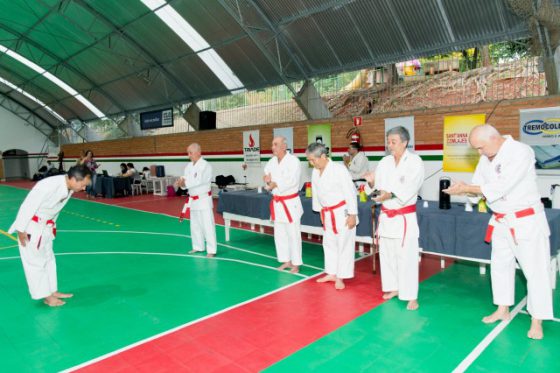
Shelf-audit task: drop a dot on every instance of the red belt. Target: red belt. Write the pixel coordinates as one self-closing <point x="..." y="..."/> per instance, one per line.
<point x="331" y="210"/>
<point x="281" y="199"/>
<point x="391" y="213"/>
<point x="499" y="216"/>
<point x="50" y="222"/>
<point x="186" y="208"/>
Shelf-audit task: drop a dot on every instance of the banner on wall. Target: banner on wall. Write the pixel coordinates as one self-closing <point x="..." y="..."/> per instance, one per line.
<point x="458" y="156"/>
<point x="320" y="133"/>
<point x="251" y="148"/>
<point x="288" y="133"/>
<point x="540" y="128"/>
<point x="406" y="122"/>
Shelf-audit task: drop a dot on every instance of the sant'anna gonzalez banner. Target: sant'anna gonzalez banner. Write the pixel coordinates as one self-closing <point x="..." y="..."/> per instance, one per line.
<point x="458" y="156"/>
<point x="540" y="128"/>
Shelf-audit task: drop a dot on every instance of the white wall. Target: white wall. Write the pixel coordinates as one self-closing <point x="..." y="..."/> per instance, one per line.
<point x="15" y="133"/>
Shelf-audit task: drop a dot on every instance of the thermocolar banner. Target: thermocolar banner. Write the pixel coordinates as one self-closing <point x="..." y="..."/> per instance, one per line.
<point x="540" y="128"/>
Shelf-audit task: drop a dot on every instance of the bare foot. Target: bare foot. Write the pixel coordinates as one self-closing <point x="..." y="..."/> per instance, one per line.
<point x="284" y="266"/>
<point x="210" y="255"/>
<point x="412" y="305"/>
<point x="295" y="269"/>
<point x="502" y="313"/>
<point x="390" y="294"/>
<point x="193" y="251"/>
<point x="62" y="295"/>
<point x="53" y="301"/>
<point x="536" y="331"/>
<point x="339" y="284"/>
<point x="327" y="278"/>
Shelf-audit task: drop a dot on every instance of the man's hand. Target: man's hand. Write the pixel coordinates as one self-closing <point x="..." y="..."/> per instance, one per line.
<point x="271" y="185"/>
<point x="346" y="158"/>
<point x="456" y="188"/>
<point x="383" y="196"/>
<point x="351" y="221"/>
<point x="370" y="178"/>
<point x="22" y="238"/>
<point x="267" y="178"/>
<point x="180" y="183"/>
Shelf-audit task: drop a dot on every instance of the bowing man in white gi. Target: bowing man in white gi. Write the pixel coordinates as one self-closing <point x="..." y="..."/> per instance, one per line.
<point x="398" y="179"/>
<point x="197" y="179"/>
<point x="356" y="161"/>
<point x="335" y="197"/>
<point x="505" y="176"/>
<point x="282" y="178"/>
<point x="35" y="225"/>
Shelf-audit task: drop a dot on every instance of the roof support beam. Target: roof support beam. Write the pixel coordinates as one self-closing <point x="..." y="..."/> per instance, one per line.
<point x="315" y="10"/>
<point x="443" y="14"/>
<point x="275" y="61"/>
<point x="398" y="22"/>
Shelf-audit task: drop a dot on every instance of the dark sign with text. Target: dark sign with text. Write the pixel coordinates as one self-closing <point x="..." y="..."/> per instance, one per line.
<point x="156" y="119"/>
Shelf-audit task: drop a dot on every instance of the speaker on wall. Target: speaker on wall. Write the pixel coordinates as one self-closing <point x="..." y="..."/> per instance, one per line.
<point x="207" y="120"/>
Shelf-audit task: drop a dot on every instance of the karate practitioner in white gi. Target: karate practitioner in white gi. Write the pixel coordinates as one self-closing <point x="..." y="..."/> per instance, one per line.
<point x="282" y="178"/>
<point x="335" y="197"/>
<point x="356" y="161"/>
<point x="398" y="179"/>
<point x="505" y="176"/>
<point x="35" y="225"/>
<point x="198" y="179"/>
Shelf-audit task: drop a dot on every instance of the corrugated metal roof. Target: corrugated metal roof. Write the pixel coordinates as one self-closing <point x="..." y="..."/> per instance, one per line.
<point x="121" y="56"/>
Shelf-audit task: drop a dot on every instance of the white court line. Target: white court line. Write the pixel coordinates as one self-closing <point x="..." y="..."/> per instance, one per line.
<point x="177" y="235"/>
<point x="182" y="256"/>
<point x="479" y="349"/>
<point x="527" y="313"/>
<point x="162" y="334"/>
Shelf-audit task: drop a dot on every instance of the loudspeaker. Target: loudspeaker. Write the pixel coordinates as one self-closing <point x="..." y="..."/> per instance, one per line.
<point x="207" y="120"/>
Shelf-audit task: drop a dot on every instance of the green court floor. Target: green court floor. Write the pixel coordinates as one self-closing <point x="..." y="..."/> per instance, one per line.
<point x="132" y="279"/>
<point x="436" y="338"/>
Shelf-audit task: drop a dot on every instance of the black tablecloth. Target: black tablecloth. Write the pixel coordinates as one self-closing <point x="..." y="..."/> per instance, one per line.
<point x="109" y="186"/>
<point x="256" y="205"/>
<point x="452" y="232"/>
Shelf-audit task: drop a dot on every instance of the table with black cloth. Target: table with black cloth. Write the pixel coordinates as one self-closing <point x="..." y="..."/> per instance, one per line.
<point x="251" y="207"/>
<point x="451" y="233"/>
<point x="109" y="186"/>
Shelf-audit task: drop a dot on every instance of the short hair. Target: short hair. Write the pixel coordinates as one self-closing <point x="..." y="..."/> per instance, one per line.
<point x="195" y="147"/>
<point x="317" y="149"/>
<point x="484" y="132"/>
<point x="355" y="145"/>
<point x="88" y="151"/>
<point x="130" y="165"/>
<point x="401" y="131"/>
<point x="79" y="172"/>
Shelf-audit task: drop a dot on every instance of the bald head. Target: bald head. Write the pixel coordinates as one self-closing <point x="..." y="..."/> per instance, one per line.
<point x="486" y="140"/>
<point x="279" y="146"/>
<point x="194" y="151"/>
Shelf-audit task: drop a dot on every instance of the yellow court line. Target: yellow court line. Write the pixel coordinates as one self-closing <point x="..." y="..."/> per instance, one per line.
<point x="8" y="235"/>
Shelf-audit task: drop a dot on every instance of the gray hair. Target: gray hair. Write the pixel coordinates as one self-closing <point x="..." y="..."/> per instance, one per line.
<point x="317" y="149"/>
<point x="401" y="131"/>
<point x="484" y="132"/>
<point x="195" y="147"/>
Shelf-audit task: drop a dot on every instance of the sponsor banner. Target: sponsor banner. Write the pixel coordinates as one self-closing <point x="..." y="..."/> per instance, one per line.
<point x="156" y="119"/>
<point x="251" y="148"/>
<point x="458" y="156"/>
<point x="406" y="122"/>
<point x="540" y="128"/>
<point x="320" y="133"/>
<point x="288" y="133"/>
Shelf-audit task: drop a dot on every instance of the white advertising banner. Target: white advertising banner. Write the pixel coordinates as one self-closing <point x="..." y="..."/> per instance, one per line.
<point x="251" y="148"/>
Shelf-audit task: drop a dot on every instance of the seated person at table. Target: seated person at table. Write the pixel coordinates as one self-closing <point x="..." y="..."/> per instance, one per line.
<point x="124" y="169"/>
<point x="131" y="171"/>
<point x="145" y="173"/>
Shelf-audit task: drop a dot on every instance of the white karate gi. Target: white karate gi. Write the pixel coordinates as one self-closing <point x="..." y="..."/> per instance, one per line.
<point x="358" y="166"/>
<point x="198" y="180"/>
<point x="398" y="252"/>
<point x="44" y="202"/>
<point x="329" y="189"/>
<point x="287" y="236"/>
<point x="509" y="184"/>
